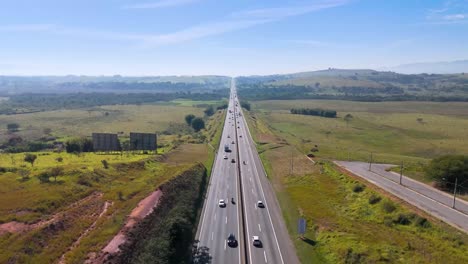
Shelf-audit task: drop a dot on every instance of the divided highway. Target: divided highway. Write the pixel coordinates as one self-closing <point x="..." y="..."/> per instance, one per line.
<point x="244" y="180"/>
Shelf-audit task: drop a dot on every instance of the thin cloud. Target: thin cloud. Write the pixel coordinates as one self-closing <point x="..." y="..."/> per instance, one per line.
<point x="455" y="17"/>
<point x="159" y="4"/>
<point x="283" y="12"/>
<point x="234" y="22"/>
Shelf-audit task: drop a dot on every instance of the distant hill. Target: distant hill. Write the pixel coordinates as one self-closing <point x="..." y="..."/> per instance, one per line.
<point x="359" y="84"/>
<point x="431" y="67"/>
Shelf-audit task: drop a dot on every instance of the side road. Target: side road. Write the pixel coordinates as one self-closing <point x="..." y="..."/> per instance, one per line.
<point x="424" y="197"/>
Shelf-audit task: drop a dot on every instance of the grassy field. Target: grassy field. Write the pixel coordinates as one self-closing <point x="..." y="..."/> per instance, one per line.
<point x="84" y="185"/>
<point x="112" y="119"/>
<point x="412" y="132"/>
<point x="345" y="226"/>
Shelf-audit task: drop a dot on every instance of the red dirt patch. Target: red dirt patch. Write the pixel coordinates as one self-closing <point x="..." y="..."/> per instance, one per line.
<point x="144" y="208"/>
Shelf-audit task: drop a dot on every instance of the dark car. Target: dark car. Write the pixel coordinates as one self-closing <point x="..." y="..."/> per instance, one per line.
<point x="231" y="240"/>
<point x="256" y="241"/>
<point x="233" y="161"/>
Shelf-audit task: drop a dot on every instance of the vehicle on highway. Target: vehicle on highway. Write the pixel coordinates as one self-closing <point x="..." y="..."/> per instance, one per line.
<point x="238" y="127"/>
<point x="233" y="142"/>
<point x="245" y="163"/>
<point x="222" y="203"/>
<point x="226" y="148"/>
<point x="231" y="240"/>
<point x="229" y="136"/>
<point x="260" y="204"/>
<point x="233" y="161"/>
<point x="256" y="241"/>
<point x="240" y="135"/>
<point x="225" y="157"/>
<point x="232" y="200"/>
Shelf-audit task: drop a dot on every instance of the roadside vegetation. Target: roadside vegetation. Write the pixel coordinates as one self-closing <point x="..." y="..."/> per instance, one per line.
<point x="167" y="234"/>
<point x="349" y="220"/>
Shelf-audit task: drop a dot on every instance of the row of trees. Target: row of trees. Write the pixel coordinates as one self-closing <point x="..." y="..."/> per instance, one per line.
<point x="41" y="102"/>
<point x="314" y="112"/>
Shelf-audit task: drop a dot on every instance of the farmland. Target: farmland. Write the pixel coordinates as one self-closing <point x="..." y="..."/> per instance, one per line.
<point x="348" y="223"/>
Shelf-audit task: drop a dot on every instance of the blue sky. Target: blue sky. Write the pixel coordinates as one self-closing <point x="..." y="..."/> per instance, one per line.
<point x="228" y="37"/>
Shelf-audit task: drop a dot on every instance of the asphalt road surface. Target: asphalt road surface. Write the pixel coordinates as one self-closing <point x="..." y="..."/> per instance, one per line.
<point x="251" y="182"/>
<point x="424" y="197"/>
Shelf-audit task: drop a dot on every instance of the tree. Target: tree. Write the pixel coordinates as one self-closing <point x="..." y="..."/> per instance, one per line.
<point x="209" y="111"/>
<point x="189" y="118"/>
<point x="447" y="169"/>
<point x="198" y="124"/>
<point x="54" y="172"/>
<point x="13" y="127"/>
<point x="31" y="158"/>
<point x="348" y="118"/>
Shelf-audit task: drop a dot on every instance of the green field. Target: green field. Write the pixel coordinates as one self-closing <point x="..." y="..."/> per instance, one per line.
<point x="389" y="130"/>
<point x="82" y="122"/>
<point x="76" y="196"/>
<point x="343" y="226"/>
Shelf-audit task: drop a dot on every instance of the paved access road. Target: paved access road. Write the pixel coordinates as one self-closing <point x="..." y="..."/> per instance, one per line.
<point x="418" y="194"/>
<point x="248" y="184"/>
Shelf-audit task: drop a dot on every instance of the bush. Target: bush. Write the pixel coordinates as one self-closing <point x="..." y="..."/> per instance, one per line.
<point x="105" y="164"/>
<point x="358" y="188"/>
<point x="373" y="199"/>
<point x="403" y="219"/>
<point x="44" y="177"/>
<point x="388" y="207"/>
<point x="421" y="221"/>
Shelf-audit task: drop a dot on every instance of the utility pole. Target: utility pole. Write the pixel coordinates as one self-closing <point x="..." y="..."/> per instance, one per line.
<point x="455" y="192"/>
<point x="370" y="163"/>
<point x="292" y="161"/>
<point x="401" y="172"/>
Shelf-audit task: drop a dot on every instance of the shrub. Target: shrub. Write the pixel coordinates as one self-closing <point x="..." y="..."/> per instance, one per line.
<point x="44" y="177"/>
<point x="105" y="164"/>
<point x="358" y="188"/>
<point x="388" y="207"/>
<point x="421" y="221"/>
<point x="403" y="219"/>
<point x="373" y="199"/>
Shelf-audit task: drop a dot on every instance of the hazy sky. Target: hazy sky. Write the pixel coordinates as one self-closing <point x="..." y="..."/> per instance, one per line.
<point x="231" y="37"/>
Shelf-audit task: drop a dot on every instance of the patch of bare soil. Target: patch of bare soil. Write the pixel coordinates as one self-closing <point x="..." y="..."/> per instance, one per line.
<point x="106" y="206"/>
<point x="15" y="227"/>
<point x="144" y="208"/>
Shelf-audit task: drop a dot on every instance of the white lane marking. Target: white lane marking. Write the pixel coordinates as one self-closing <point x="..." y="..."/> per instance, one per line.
<point x="212" y="234"/>
<point x="226" y="219"/>
<point x="264" y="254"/>
<point x="259" y="228"/>
<point x="250" y="178"/>
<point x="225" y="242"/>
<point x="263" y="195"/>
<point x="215" y="217"/>
<point x="252" y="191"/>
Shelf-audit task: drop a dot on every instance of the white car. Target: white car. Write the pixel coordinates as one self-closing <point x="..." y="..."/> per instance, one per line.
<point x="222" y="203"/>
<point x="260" y="204"/>
<point x="225" y="157"/>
